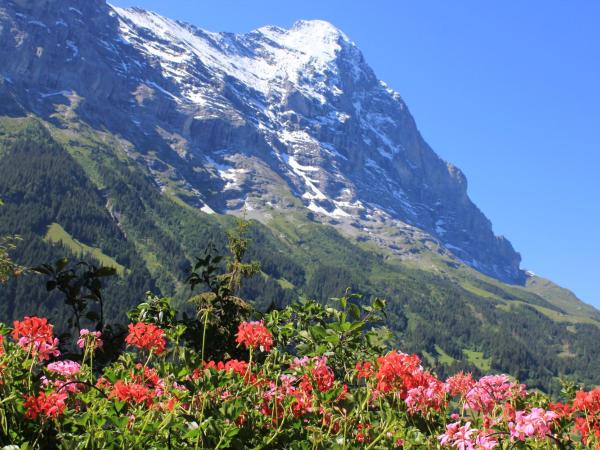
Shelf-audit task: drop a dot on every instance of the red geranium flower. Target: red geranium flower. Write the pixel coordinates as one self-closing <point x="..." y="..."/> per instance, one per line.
<point x="460" y="384"/>
<point x="588" y="401"/>
<point x="398" y="372"/>
<point x="35" y="335"/>
<point x="254" y="335"/>
<point x="364" y="370"/>
<point x="135" y="393"/>
<point x="562" y="409"/>
<point x="323" y="375"/>
<point x="48" y="406"/>
<point x="146" y="336"/>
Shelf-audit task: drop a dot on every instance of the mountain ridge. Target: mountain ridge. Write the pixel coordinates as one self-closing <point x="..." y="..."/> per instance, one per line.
<point x="223" y="112"/>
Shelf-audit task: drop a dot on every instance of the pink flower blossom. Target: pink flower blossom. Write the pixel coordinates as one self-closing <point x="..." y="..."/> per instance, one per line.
<point x="484" y="442"/>
<point x="431" y="394"/>
<point x="67" y="368"/>
<point x="466" y="438"/>
<point x="300" y="362"/>
<point x="537" y="423"/>
<point x="91" y="337"/>
<point x="457" y="436"/>
<point x="492" y="390"/>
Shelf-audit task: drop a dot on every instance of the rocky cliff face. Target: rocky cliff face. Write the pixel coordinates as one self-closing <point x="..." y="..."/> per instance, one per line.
<point x="272" y="120"/>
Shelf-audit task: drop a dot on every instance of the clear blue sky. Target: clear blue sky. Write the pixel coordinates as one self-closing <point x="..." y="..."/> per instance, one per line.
<point x="508" y="91"/>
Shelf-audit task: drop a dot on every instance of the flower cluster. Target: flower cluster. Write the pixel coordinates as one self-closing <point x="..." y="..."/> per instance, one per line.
<point x="398" y="373"/>
<point x="161" y="400"/>
<point x="587" y="404"/>
<point x="47" y="406"/>
<point x="464" y="437"/>
<point x="67" y="368"/>
<point x="63" y="375"/>
<point x="36" y="336"/>
<point x="90" y="338"/>
<point x="537" y="423"/>
<point x="460" y="384"/>
<point x="254" y="335"/>
<point x="429" y="395"/>
<point x="233" y="365"/>
<point x="146" y="336"/>
<point x="492" y="390"/>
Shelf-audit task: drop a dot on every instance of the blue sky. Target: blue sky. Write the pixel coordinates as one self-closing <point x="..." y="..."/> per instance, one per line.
<point x="508" y="91"/>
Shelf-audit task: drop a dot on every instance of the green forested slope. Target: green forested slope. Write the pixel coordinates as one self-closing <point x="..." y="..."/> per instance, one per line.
<point x="82" y="183"/>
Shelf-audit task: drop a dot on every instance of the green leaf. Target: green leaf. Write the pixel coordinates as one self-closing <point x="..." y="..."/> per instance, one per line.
<point x="354" y="311"/>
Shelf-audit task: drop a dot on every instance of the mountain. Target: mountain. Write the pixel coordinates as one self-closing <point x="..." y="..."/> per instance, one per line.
<point x="131" y="139"/>
<point x="218" y="114"/>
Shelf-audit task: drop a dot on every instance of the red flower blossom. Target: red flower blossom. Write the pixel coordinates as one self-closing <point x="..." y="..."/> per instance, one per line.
<point x="364" y="370"/>
<point x="460" y="384"/>
<point x="588" y="401"/>
<point x="130" y="392"/>
<point x="323" y="375"/>
<point x="48" y="406"/>
<point x="146" y="336"/>
<point x="254" y="335"/>
<point x="35" y="335"/>
<point x="343" y="393"/>
<point x="398" y="372"/>
<point x="233" y="365"/>
<point x="588" y="427"/>
<point x="149" y="378"/>
<point x="562" y="409"/>
<point x="363" y="432"/>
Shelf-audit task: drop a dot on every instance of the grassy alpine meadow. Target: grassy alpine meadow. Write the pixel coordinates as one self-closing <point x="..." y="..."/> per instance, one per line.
<point x="215" y="373"/>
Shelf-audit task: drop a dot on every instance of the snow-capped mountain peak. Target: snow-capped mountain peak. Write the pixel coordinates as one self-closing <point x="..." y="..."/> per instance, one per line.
<point x="274" y="119"/>
<point x="318" y="39"/>
<point x="303" y="56"/>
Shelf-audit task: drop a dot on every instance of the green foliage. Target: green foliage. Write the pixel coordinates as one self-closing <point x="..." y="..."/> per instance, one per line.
<point x="80" y="284"/>
<point x="343" y="332"/>
<point x="8" y="267"/>
<point x="218" y="309"/>
<point x="154" y="309"/>
<point x="41" y="184"/>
